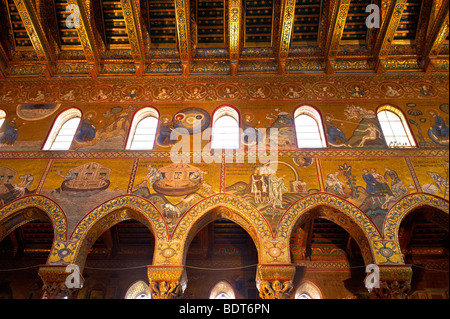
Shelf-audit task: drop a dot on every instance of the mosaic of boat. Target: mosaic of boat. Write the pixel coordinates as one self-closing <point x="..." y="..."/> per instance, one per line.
<point x="179" y="179"/>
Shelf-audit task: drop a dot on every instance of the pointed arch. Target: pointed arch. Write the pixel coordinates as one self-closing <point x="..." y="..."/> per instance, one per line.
<point x="44" y="205"/>
<point x="222" y="290"/>
<point x="111" y="213"/>
<point x="337" y="210"/>
<point x="407" y="204"/>
<point x="221" y="206"/>
<point x="308" y="289"/>
<point x="63" y="130"/>
<point x="138" y="290"/>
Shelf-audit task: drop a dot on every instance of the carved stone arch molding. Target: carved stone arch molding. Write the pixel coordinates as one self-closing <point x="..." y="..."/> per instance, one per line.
<point x="104" y="217"/>
<point x="339" y="211"/>
<point x="212" y="208"/>
<point x="407" y="205"/>
<point x="31" y="208"/>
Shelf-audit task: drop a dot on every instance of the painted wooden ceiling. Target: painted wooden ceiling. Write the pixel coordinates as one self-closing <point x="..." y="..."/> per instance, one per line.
<point x="206" y="37"/>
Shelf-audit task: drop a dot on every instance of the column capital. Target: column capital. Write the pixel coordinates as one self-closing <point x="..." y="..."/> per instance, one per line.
<point x="54" y="278"/>
<point x="166" y="281"/>
<point x="275" y="281"/>
<point x="394" y="282"/>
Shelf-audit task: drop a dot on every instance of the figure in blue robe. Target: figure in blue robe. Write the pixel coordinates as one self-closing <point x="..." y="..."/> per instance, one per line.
<point x="11" y="133"/>
<point x="87" y="130"/>
<point x="165" y="137"/>
<point x="371" y="182"/>
<point x="251" y="133"/>
<point x="439" y="129"/>
<point x="335" y="134"/>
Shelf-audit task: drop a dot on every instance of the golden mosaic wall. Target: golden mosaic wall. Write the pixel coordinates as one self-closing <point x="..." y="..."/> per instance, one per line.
<point x="97" y="183"/>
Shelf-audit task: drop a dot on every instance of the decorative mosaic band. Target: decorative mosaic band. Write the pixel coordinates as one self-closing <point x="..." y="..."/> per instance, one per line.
<point x="279" y="272"/>
<point x="165" y="273"/>
<point x="395" y="272"/>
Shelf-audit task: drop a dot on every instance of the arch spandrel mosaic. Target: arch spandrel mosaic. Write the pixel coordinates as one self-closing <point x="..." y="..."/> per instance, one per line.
<point x="357" y="174"/>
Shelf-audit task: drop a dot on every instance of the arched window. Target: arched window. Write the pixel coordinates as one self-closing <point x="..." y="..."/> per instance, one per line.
<point x="63" y="130"/>
<point x="225" y="129"/>
<point x="2" y="117"/>
<point x="395" y="128"/>
<point x="308" y="290"/>
<point x="139" y="290"/>
<point x="222" y="290"/>
<point x="309" y="129"/>
<point x="143" y="129"/>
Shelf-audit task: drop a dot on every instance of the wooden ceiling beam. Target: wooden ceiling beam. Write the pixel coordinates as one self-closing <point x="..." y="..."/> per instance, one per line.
<point x="287" y="25"/>
<point x="435" y="7"/>
<point x="182" y="14"/>
<point x="336" y="29"/>
<point x="86" y="35"/>
<point x="37" y="35"/>
<point x="132" y="15"/>
<point x="436" y="37"/>
<point x="389" y="25"/>
<point x="49" y="23"/>
<point x="235" y="22"/>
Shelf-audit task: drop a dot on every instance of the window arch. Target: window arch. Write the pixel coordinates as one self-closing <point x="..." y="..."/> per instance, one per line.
<point x="138" y="290"/>
<point x="395" y="128"/>
<point x="143" y="129"/>
<point x="225" y="128"/>
<point x="308" y="290"/>
<point x="222" y="290"/>
<point x="2" y="117"/>
<point x="63" y="130"/>
<point x="309" y="128"/>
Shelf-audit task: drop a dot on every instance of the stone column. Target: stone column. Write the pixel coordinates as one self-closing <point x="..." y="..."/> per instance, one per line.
<point x="166" y="281"/>
<point x="275" y="281"/>
<point x="394" y="282"/>
<point x="54" y="278"/>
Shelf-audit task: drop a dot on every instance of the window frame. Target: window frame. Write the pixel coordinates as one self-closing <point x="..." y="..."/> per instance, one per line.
<point x="138" y="116"/>
<point x="137" y="289"/>
<point x="308" y="288"/>
<point x="314" y="113"/>
<point x="2" y="117"/>
<point x="61" y="119"/>
<point x="403" y="120"/>
<point x="221" y="111"/>
<point x="227" y="285"/>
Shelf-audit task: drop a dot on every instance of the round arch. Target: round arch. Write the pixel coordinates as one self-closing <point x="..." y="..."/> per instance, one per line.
<point x="2" y="117"/>
<point x="139" y="115"/>
<point x="40" y="206"/>
<point x="316" y="115"/>
<point x="402" y="116"/>
<point x="60" y="119"/>
<point x="406" y="205"/>
<point x="337" y="210"/>
<point x="222" y="206"/>
<point x="111" y="213"/>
